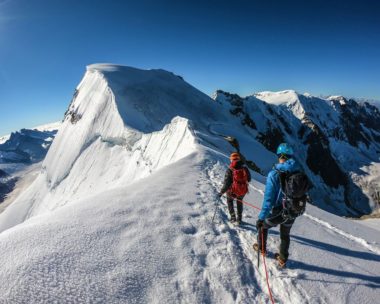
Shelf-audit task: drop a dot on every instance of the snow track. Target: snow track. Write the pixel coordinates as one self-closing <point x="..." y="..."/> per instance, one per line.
<point x="121" y="211"/>
<point x="292" y="285"/>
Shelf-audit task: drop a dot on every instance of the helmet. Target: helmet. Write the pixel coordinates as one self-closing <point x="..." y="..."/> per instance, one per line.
<point x="234" y="156"/>
<point x="285" y="149"/>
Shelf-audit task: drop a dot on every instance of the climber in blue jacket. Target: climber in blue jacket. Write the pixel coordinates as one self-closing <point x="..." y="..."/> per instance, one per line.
<point x="272" y="213"/>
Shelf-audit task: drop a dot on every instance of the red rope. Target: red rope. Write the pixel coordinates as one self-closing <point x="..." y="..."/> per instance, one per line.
<point x="248" y="204"/>
<point x="245" y="203"/>
<point x="262" y="251"/>
<point x="265" y="265"/>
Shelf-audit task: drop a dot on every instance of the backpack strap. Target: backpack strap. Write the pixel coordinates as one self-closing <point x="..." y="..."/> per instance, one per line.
<point x="282" y="176"/>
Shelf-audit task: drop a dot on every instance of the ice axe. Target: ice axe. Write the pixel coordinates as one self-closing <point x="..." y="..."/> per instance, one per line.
<point x="235" y="143"/>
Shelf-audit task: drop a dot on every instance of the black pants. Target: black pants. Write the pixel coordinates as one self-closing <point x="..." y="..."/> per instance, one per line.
<point x="277" y="218"/>
<point x="239" y="205"/>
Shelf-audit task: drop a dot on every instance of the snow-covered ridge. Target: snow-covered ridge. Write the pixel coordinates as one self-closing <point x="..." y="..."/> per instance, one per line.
<point x="48" y="127"/>
<point x="336" y="139"/>
<point x="118" y="129"/>
<point x="4" y="138"/>
<point x="278" y="98"/>
<point x="127" y="216"/>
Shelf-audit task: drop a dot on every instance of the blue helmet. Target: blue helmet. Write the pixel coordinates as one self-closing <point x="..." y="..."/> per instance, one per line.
<point x="285" y="149"/>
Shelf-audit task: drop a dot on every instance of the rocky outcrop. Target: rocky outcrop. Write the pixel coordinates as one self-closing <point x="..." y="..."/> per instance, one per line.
<point x="319" y="129"/>
<point x="26" y="146"/>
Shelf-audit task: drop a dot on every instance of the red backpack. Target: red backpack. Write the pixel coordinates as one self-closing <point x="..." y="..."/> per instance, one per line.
<point x="239" y="185"/>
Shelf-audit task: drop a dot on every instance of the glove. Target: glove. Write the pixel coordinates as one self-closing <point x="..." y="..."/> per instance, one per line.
<point x="220" y="194"/>
<point x="259" y="224"/>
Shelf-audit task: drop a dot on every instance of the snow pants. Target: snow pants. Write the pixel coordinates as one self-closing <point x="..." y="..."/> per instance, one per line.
<point x="277" y="218"/>
<point x="239" y="205"/>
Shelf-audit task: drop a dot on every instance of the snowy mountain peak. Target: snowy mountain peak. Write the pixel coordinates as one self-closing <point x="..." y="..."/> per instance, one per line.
<point x="278" y="98"/>
<point x="122" y="125"/>
<point x="335" y="138"/>
<point x="126" y="207"/>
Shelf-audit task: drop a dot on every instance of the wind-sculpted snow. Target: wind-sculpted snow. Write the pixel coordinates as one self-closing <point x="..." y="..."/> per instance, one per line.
<point x="121" y="210"/>
<point x="103" y="163"/>
<point x="96" y="150"/>
<point x="154" y="242"/>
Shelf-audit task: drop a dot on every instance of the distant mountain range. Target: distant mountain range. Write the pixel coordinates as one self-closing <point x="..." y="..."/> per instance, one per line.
<point x="124" y="207"/>
<point x="336" y="139"/>
<point x="20" y="149"/>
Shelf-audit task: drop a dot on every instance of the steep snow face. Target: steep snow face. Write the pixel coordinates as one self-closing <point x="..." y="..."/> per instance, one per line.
<point x="333" y="138"/>
<point x="148" y="100"/>
<point x="116" y="105"/>
<point x="133" y="200"/>
<point x="120" y="127"/>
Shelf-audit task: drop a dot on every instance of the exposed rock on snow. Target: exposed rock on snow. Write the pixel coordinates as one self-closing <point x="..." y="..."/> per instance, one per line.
<point x="26" y="146"/>
<point x="20" y="150"/>
<point x="333" y="139"/>
<point x="121" y="210"/>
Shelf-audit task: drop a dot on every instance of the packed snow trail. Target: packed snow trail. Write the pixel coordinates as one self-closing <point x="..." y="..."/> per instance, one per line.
<point x="326" y="264"/>
<point x="121" y="210"/>
<point x="126" y="245"/>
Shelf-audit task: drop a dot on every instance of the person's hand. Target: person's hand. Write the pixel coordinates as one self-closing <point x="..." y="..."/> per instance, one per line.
<point x="259" y="224"/>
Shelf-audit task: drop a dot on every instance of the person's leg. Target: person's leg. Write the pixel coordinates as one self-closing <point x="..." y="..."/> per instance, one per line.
<point x="285" y="239"/>
<point x="239" y="206"/>
<point x="272" y="221"/>
<point x="230" y="204"/>
<point x="262" y="235"/>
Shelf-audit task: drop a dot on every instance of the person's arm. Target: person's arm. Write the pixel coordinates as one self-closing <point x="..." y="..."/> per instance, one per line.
<point x="227" y="181"/>
<point x="248" y="174"/>
<point x="271" y="190"/>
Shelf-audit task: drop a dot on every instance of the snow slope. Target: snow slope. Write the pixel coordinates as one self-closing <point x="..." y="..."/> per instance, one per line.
<point x="336" y="140"/>
<point x="129" y="246"/>
<point x="121" y="211"/>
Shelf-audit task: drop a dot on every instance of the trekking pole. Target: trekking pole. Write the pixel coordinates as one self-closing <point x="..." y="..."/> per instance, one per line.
<point x="216" y="206"/>
<point x="258" y="251"/>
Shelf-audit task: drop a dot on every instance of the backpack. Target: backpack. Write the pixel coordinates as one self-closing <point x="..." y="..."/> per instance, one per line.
<point x="294" y="185"/>
<point x="239" y="185"/>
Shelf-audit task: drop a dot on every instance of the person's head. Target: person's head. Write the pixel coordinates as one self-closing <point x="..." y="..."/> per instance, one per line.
<point x="234" y="157"/>
<point x="284" y="152"/>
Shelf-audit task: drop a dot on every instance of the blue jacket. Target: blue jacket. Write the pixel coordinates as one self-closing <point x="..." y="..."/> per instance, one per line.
<point x="273" y="194"/>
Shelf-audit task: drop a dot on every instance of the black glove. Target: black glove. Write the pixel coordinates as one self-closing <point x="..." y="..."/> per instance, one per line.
<point x="259" y="224"/>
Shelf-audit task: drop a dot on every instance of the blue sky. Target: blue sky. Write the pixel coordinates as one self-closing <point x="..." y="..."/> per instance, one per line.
<point x="320" y="47"/>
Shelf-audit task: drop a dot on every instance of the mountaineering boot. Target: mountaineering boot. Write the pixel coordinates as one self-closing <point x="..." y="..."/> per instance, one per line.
<point x="239" y="221"/>
<point x="281" y="263"/>
<point x="233" y="218"/>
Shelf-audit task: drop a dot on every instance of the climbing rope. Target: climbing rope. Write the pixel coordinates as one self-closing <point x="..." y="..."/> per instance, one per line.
<point x="265" y="266"/>
<point x="262" y="253"/>
<point x="248" y="204"/>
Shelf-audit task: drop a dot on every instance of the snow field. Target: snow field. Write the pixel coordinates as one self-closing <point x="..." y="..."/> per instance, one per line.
<point x="121" y="211"/>
<point x="327" y="264"/>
